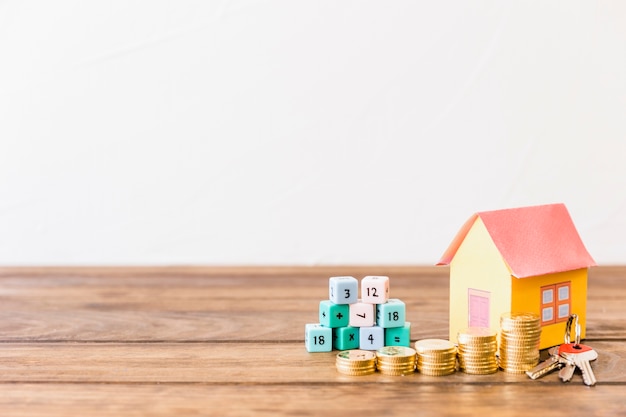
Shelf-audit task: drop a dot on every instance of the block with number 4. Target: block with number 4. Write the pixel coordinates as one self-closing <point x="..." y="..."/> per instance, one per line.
<point x="375" y="289"/>
<point x="343" y="290"/>
<point x="371" y="338"/>
<point x="362" y="314"/>
<point x="318" y="338"/>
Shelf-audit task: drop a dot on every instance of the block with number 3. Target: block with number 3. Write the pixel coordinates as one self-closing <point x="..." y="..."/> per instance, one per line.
<point x="343" y="290"/>
<point x="375" y="289"/>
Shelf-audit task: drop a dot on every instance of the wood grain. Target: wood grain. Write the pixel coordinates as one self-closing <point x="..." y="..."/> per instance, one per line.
<point x="222" y="363"/>
<point x="229" y="341"/>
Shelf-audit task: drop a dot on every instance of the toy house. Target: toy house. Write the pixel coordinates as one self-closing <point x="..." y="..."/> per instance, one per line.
<point x="528" y="259"/>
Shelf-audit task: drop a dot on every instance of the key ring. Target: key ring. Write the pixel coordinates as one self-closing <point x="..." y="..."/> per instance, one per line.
<point x="568" y="328"/>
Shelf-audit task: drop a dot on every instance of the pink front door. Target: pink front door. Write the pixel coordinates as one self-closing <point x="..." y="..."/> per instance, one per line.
<point x="478" y="314"/>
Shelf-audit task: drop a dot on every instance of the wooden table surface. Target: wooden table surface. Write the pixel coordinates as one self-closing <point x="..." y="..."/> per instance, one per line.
<point x="230" y="341"/>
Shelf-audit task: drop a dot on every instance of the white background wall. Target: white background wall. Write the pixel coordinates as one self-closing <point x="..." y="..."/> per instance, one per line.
<point x="303" y="132"/>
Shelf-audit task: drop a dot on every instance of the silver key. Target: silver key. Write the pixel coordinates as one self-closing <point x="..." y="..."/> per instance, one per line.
<point x="567" y="371"/>
<point x="553" y="362"/>
<point x="581" y="355"/>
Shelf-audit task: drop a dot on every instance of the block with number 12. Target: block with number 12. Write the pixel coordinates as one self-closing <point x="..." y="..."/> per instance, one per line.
<point x="375" y="289"/>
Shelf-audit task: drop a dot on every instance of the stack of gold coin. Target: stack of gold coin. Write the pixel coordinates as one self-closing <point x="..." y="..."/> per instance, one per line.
<point x="435" y="357"/>
<point x="519" y="341"/>
<point x="477" y="350"/>
<point x="396" y="360"/>
<point x="356" y="362"/>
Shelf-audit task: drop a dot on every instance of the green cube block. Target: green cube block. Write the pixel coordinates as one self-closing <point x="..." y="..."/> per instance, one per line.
<point x="318" y="338"/>
<point x="346" y="338"/>
<point x="398" y="336"/>
<point x="391" y="314"/>
<point x="334" y="315"/>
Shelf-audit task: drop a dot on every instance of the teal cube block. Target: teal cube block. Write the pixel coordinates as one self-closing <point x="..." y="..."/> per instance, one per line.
<point x="398" y="336"/>
<point x="346" y="338"/>
<point x="371" y="338"/>
<point x="391" y="314"/>
<point x="318" y="338"/>
<point x="334" y="315"/>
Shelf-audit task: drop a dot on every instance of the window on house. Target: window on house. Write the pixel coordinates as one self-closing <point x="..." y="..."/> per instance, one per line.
<point x="556" y="303"/>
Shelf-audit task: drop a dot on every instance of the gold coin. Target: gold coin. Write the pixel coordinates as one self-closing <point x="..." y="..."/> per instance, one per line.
<point x="434" y="346"/>
<point x="356" y="355"/>
<point x="476" y="334"/>
<point x="395" y="352"/>
<point x="476" y="355"/>
<point x="519" y="316"/>
<point x="472" y="349"/>
<point x="356" y="373"/>
<point x="399" y="370"/>
<point x="437" y="372"/>
<point x="442" y="360"/>
<point x="481" y="371"/>
<point x="477" y="349"/>
<point x="436" y="365"/>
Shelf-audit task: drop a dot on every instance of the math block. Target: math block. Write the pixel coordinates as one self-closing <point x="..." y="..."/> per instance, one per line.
<point x="375" y="289"/>
<point x="318" y="338"/>
<point x="333" y="315"/>
<point x="343" y="290"/>
<point x="391" y="314"/>
<point x="346" y="338"/>
<point x="362" y="314"/>
<point x="371" y="338"/>
<point x="398" y="336"/>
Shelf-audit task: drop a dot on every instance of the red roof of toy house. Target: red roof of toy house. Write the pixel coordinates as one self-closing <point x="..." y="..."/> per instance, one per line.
<point x="533" y="241"/>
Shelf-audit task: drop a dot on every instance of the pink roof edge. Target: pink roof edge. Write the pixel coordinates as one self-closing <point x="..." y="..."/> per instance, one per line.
<point x="533" y="240"/>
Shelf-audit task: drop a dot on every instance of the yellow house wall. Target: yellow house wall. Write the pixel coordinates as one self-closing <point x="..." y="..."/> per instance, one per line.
<point x="478" y="264"/>
<point x="527" y="298"/>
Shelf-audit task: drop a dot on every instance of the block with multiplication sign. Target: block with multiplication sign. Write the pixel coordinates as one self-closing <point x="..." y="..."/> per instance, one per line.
<point x="362" y="314"/>
<point x="346" y="338"/>
<point x="343" y="290"/>
<point x="318" y="338"/>
<point x="398" y="336"/>
<point x="371" y="338"/>
<point x="334" y="315"/>
<point x="391" y="314"/>
<point x="375" y="289"/>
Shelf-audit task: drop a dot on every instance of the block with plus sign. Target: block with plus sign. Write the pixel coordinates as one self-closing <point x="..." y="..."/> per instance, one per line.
<point x="334" y="315"/>
<point x="375" y="289"/>
<point x="391" y="314"/>
<point x="343" y="290"/>
<point x="318" y="338"/>
<point x="398" y="336"/>
<point x="371" y="338"/>
<point x="362" y="314"/>
<point x="346" y="338"/>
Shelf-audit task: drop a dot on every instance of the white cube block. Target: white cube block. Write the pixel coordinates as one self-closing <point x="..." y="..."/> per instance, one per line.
<point x="343" y="290"/>
<point x="375" y="289"/>
<point x="362" y="314"/>
<point x="371" y="338"/>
